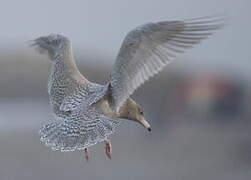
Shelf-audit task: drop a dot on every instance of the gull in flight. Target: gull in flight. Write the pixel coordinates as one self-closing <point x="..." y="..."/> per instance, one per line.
<point x="87" y="113"/>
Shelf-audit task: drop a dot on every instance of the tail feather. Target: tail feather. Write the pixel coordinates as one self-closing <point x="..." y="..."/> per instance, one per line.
<point x="73" y="135"/>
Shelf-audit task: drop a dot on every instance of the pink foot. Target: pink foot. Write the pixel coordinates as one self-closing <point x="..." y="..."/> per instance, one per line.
<point x="108" y="148"/>
<point x="87" y="154"/>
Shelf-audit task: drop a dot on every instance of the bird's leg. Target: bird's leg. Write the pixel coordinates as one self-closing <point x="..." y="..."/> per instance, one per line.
<point x="87" y="154"/>
<point x="108" y="148"/>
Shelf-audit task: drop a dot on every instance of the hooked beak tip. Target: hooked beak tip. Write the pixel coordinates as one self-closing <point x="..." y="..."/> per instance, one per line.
<point x="149" y="129"/>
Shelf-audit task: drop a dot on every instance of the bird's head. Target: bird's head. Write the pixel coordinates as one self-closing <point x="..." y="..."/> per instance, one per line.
<point x="132" y="111"/>
<point x="50" y="44"/>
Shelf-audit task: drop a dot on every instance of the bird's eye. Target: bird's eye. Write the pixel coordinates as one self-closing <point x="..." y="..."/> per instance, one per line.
<point x="140" y="110"/>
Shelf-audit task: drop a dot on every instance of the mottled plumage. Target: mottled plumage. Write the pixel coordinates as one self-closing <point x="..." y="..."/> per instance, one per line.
<point x="75" y="128"/>
<point x="78" y="131"/>
<point x="87" y="113"/>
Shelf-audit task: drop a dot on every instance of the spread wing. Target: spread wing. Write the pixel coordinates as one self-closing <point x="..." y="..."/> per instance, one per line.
<point x="148" y="48"/>
<point x="83" y="128"/>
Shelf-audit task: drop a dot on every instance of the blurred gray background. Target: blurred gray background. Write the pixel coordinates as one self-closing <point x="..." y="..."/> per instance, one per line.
<point x="199" y="106"/>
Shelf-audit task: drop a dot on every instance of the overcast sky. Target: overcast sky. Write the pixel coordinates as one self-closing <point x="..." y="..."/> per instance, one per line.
<point x="98" y="27"/>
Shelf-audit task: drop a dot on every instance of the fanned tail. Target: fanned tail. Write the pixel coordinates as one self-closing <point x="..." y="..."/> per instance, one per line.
<point x="71" y="135"/>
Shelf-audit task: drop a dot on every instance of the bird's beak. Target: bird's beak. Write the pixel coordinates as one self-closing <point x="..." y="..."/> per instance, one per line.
<point x="144" y="123"/>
